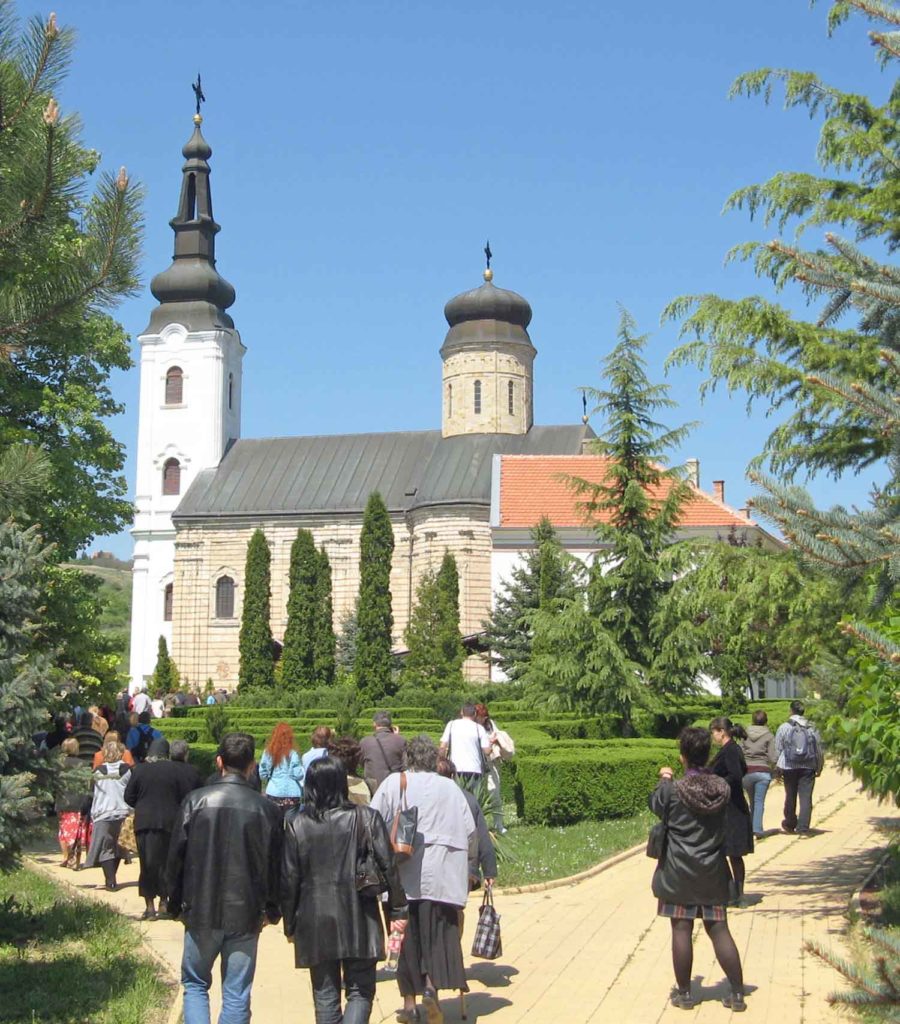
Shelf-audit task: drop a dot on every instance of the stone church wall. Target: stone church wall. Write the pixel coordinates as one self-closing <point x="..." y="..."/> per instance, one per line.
<point x="206" y="647"/>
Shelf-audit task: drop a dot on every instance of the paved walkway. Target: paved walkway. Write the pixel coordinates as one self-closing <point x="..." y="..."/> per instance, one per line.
<point x="595" y="950"/>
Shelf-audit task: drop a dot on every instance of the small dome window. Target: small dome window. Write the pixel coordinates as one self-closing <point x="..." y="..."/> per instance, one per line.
<point x="167" y="603"/>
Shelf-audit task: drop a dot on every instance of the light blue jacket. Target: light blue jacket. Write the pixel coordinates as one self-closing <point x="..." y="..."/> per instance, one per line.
<point x="284" y="778"/>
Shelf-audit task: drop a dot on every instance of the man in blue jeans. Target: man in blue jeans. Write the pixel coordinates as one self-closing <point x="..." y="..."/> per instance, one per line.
<point x="222" y="877"/>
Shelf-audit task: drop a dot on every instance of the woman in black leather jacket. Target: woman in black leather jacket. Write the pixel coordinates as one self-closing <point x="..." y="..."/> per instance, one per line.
<point x="691" y="878"/>
<point x="335" y="930"/>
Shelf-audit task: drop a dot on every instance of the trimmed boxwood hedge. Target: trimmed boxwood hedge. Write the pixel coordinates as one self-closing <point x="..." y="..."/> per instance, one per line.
<point x="565" y="786"/>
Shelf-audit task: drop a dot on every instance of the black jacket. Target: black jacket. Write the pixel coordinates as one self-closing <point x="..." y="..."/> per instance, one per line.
<point x="320" y="906"/>
<point x="730" y="765"/>
<point x="225" y="858"/>
<point x="155" y="791"/>
<point x="693" y="871"/>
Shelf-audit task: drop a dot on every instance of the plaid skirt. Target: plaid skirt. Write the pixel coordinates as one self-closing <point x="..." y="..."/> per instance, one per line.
<point x="73" y="828"/>
<point x="690" y="913"/>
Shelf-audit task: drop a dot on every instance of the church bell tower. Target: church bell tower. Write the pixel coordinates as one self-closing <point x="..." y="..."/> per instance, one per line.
<point x="190" y="399"/>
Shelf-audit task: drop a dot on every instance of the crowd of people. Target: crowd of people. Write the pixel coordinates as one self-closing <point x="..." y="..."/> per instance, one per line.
<point x="283" y="839"/>
<point x="311" y="840"/>
<point x="711" y="816"/>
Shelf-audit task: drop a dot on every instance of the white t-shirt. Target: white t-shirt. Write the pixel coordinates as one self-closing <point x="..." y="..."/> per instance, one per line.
<point x="157" y="708"/>
<point x="140" y="703"/>
<point x="466" y="740"/>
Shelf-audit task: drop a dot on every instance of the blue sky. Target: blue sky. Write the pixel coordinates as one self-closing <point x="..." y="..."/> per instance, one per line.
<point x="364" y="151"/>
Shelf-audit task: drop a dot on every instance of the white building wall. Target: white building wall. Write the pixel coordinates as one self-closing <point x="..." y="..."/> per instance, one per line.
<point x="196" y="432"/>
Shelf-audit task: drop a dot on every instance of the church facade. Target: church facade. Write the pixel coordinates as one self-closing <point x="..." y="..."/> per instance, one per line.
<point x="202" y="490"/>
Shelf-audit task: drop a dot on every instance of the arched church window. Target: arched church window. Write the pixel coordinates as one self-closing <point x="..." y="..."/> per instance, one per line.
<point x="172" y="477"/>
<point x="449" y="399"/>
<point x="224" y="597"/>
<point x="174" y="386"/>
<point x="230" y="390"/>
<point x="510" y="394"/>
<point x="477" y="390"/>
<point x="167" y="603"/>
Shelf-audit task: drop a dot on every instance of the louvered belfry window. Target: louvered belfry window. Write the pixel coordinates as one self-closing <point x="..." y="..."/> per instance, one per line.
<point x="174" y="386"/>
<point x="477" y="390"/>
<point x="167" y="603"/>
<point x="511" y="391"/>
<point x="224" y="597"/>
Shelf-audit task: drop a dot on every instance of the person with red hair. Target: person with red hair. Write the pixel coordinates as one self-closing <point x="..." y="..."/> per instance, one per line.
<point x="280" y="767"/>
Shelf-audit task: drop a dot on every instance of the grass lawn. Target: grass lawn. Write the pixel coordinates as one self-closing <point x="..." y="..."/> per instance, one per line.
<point x="66" y="960"/>
<point x="534" y="853"/>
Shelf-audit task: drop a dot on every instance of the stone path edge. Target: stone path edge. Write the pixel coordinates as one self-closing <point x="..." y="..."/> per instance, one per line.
<point x="556" y="883"/>
<point x="174" y="1015"/>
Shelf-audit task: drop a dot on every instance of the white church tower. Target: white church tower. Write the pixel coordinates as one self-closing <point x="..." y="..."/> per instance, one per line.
<point x="190" y="400"/>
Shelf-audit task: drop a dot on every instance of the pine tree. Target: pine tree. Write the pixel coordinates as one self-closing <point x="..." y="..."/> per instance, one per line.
<point x="375" y="621"/>
<point x="165" y="675"/>
<point x="600" y="652"/>
<point x="544" y="575"/>
<point x="298" y="658"/>
<point x="255" y="644"/>
<point x="27" y="690"/>
<point x="325" y="641"/>
<point x="69" y="251"/>
<point x="346" y="640"/>
<point x="432" y="637"/>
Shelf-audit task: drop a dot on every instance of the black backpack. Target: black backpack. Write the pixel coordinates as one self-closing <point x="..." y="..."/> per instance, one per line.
<point x="142" y="748"/>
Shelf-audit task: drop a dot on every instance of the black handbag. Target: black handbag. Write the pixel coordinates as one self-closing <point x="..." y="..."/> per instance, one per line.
<point x="658" y="839"/>
<point x="404" y="825"/>
<point x="370" y="880"/>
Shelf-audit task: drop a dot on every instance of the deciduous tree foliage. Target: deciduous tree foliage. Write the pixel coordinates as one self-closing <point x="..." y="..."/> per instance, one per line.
<point x="256" y="648"/>
<point x="374" y="616"/>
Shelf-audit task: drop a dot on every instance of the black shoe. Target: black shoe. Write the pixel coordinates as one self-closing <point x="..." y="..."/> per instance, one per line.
<point x="148" y="915"/>
<point x="682" y="998"/>
<point x="433" y="1012"/>
<point x="408" y="1016"/>
<point x="735" y="1002"/>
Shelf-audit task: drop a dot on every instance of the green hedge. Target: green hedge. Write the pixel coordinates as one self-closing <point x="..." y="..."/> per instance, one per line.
<point x="565" y="786"/>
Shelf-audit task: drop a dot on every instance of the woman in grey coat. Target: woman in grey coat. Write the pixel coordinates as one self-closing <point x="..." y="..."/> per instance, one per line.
<point x="108" y="811"/>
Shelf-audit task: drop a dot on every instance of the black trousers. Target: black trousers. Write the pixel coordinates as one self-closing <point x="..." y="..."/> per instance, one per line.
<point x="798" y="785"/>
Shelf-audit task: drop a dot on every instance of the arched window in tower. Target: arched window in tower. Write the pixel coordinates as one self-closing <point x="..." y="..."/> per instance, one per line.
<point x="167" y="603"/>
<point x="477" y="390"/>
<point x="191" y="197"/>
<point x="449" y="399"/>
<point x="224" y="597"/>
<point x="174" y="386"/>
<point x="510" y="394"/>
<point x="230" y="390"/>
<point x="171" y="477"/>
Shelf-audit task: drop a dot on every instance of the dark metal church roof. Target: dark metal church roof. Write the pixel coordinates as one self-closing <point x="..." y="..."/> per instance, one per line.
<point x="336" y="474"/>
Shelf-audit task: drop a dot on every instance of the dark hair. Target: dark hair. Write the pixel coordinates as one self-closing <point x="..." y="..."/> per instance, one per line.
<point x="346" y="749"/>
<point x="85" y="720"/>
<point x="760" y="718"/>
<point x="237" y="750"/>
<point x="468" y="710"/>
<point x="324" y="786"/>
<point x="178" y="750"/>
<point x="727" y="726"/>
<point x="144" y="718"/>
<point x="383" y="719"/>
<point x="694" y="744"/>
<point x="445" y="767"/>
<point x="421" y="754"/>
<point x="797" y="707"/>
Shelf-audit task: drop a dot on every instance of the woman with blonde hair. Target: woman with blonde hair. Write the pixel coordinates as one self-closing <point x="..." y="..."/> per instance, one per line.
<point x="112" y="736"/>
<point x="321" y="737"/>
<point x="108" y="811"/>
<point x="281" y="770"/>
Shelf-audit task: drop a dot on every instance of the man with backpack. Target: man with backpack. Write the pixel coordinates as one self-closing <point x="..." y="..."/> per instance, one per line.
<point x="801" y="758"/>
<point x="140" y="736"/>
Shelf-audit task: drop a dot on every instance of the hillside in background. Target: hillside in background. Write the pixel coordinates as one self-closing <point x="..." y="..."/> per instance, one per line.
<point x="115" y="591"/>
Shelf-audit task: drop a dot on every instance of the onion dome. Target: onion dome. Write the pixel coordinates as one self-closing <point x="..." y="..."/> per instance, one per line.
<point x="191" y="291"/>
<point x="486" y="316"/>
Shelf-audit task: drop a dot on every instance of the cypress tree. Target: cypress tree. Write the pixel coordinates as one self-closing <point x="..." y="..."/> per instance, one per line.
<point x="346" y="641"/>
<point x="298" y="657"/>
<point x="435" y="647"/>
<point x="448" y="581"/>
<point x="257" y="664"/>
<point x="375" y="620"/>
<point x="325" y="641"/>
<point x="164" y="675"/>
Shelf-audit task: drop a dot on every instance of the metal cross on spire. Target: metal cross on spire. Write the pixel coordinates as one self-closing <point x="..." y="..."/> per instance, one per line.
<point x="487" y="253"/>
<point x="198" y="92"/>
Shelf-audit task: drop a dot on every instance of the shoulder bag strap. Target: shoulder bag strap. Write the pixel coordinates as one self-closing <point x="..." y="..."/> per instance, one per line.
<point x="381" y="750"/>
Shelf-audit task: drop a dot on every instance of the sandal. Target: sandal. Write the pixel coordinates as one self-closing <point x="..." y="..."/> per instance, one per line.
<point x="682" y="999"/>
<point x="735" y="1002"/>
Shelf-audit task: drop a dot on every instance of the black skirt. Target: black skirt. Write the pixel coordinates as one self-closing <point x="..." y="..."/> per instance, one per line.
<point x="431" y="946"/>
<point x="153" y="849"/>
<point x="738" y="832"/>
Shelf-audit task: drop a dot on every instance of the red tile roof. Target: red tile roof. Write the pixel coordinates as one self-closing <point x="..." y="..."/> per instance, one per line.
<point x="532" y="486"/>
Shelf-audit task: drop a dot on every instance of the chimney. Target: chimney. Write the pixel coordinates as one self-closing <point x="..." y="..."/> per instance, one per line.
<point x="719" y="490"/>
<point x="693" y="471"/>
<point x="745" y="512"/>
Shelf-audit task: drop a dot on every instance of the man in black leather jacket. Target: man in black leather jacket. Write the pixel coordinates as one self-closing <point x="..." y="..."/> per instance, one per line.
<point x="222" y="878"/>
